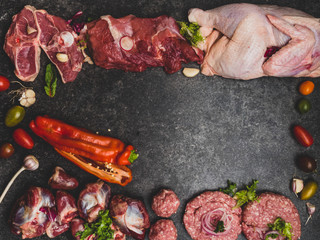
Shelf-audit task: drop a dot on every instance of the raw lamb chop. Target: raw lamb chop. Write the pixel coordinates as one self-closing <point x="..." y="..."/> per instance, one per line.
<point x="21" y="45"/>
<point x="124" y="44"/>
<point x="32" y="29"/>
<point x="241" y="39"/>
<point x="58" y="40"/>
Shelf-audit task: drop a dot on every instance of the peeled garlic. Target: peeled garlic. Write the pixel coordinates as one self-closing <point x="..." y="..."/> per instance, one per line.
<point x="62" y="57"/>
<point x="28" y="97"/>
<point x="190" y="72"/>
<point x="297" y="185"/>
<point x="30" y="30"/>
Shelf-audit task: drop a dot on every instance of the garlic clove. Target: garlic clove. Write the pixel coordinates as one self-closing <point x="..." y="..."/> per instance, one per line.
<point x="297" y="185"/>
<point x="29" y="93"/>
<point x="62" y="57"/>
<point x="190" y="72"/>
<point x="23" y="102"/>
<point x="311" y="210"/>
<point x="32" y="100"/>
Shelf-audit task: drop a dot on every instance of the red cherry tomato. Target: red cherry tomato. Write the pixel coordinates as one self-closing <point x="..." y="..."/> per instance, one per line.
<point x="6" y="150"/>
<point x="22" y="138"/>
<point x="4" y="83"/>
<point x="302" y="136"/>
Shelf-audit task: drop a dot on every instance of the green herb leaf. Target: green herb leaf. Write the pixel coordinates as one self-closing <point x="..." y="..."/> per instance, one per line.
<point x="248" y="195"/>
<point x="220" y="227"/>
<point x="133" y="156"/>
<point x="282" y="227"/>
<point x="101" y="228"/>
<point x="191" y="32"/>
<point x="51" y="81"/>
<point x="230" y="190"/>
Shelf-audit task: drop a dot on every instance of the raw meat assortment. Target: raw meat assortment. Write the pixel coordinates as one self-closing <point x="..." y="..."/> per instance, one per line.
<point x="32" y="29"/>
<point x="61" y="180"/>
<point x="92" y="199"/>
<point x="203" y="213"/>
<point x="246" y="41"/>
<point x="165" y="203"/>
<point x="123" y="44"/>
<point x="32" y="213"/>
<point x="130" y="215"/>
<point x="21" y="44"/>
<point x="76" y="225"/>
<point x="163" y="229"/>
<point x="256" y="216"/>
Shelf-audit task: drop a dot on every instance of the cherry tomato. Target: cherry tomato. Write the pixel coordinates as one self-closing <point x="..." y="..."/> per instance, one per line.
<point x="304" y="106"/>
<point x="22" y="138"/>
<point x="6" y="150"/>
<point x="4" y="83"/>
<point x="306" y="87"/>
<point x="14" y="116"/>
<point x="307" y="164"/>
<point x="302" y="136"/>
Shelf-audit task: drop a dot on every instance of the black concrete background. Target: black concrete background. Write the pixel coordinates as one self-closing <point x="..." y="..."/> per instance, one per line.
<point x="192" y="134"/>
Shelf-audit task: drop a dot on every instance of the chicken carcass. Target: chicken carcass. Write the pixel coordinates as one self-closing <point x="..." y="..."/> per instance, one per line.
<point x="240" y="37"/>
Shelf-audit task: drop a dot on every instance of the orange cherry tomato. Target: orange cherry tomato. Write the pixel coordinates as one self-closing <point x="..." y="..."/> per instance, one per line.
<point x="306" y="87"/>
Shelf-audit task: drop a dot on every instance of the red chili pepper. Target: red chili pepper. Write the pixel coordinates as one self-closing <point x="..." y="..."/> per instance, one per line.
<point x="302" y="136"/>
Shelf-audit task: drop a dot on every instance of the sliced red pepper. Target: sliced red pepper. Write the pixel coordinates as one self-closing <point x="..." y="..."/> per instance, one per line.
<point x="81" y="142"/>
<point x="106" y="171"/>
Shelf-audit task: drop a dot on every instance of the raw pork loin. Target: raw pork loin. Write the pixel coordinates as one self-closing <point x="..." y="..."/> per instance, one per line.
<point x="32" y="29"/>
<point x="242" y="37"/>
<point x="133" y="44"/>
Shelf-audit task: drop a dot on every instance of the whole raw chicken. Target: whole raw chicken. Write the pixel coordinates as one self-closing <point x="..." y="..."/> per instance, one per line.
<point x="246" y="41"/>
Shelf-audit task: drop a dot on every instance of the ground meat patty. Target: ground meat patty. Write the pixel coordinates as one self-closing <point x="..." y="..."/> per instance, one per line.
<point x="217" y="205"/>
<point x="165" y="203"/>
<point x="163" y="229"/>
<point x="257" y="215"/>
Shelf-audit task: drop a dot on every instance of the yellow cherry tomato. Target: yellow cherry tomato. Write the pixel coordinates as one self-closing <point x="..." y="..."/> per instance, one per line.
<point x="306" y="87"/>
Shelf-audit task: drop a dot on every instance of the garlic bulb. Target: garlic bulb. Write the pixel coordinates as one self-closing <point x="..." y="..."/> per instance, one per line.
<point x="30" y="163"/>
<point x="28" y="97"/>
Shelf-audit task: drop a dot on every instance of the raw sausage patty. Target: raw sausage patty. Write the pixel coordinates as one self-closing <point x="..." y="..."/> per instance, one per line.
<point x="256" y="216"/>
<point x="203" y="212"/>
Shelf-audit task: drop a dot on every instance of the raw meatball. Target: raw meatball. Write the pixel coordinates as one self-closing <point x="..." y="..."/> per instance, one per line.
<point x="163" y="229"/>
<point x="165" y="203"/>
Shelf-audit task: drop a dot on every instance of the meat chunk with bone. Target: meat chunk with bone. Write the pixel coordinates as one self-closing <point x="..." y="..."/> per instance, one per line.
<point x="130" y="215"/>
<point x="32" y="29"/>
<point x="240" y="36"/>
<point x="92" y="199"/>
<point x="58" y="40"/>
<point x="66" y="207"/>
<point x="21" y="44"/>
<point x="123" y="44"/>
<point x="61" y="180"/>
<point x="30" y="215"/>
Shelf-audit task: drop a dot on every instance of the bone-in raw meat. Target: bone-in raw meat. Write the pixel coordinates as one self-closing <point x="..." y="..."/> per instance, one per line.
<point x="66" y="207"/>
<point x="133" y="44"/>
<point x="31" y="213"/>
<point x="57" y="37"/>
<point x="92" y="199"/>
<point x="239" y="35"/>
<point x="32" y="29"/>
<point x="23" y="47"/>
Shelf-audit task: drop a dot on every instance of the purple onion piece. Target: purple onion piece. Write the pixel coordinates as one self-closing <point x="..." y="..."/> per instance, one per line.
<point x="270" y="232"/>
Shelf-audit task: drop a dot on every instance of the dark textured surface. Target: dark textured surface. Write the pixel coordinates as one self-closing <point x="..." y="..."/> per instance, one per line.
<point x="192" y="134"/>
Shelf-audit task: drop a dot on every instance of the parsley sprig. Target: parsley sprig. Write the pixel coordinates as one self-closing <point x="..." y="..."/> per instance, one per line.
<point x="191" y="32"/>
<point x="242" y="196"/>
<point x="282" y="227"/>
<point x="219" y="227"/>
<point x="101" y="228"/>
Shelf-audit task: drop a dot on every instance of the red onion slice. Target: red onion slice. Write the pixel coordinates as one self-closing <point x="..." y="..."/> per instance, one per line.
<point x="210" y="219"/>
